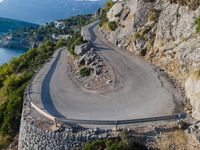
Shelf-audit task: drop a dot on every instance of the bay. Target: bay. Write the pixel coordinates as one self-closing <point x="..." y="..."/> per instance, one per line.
<point x="7" y="53"/>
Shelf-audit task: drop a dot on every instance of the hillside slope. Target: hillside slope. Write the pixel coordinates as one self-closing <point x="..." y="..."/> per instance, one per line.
<point x="12" y="24"/>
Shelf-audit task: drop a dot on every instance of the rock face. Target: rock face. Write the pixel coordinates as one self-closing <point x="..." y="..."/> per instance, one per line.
<point x="115" y="12"/>
<point x="192" y="86"/>
<point x="162" y="31"/>
<point x="81" y="49"/>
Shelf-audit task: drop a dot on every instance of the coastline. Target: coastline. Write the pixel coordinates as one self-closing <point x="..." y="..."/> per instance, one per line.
<point x="7" y="54"/>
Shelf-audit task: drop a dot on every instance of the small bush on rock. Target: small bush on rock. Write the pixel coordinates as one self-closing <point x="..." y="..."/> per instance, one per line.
<point x="85" y="72"/>
<point x="153" y="15"/>
<point x="112" y="25"/>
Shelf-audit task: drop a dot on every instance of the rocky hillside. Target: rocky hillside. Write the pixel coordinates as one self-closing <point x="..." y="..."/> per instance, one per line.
<point x="164" y="32"/>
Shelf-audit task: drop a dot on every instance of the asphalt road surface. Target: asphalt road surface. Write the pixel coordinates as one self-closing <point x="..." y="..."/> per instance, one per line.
<point x="141" y="92"/>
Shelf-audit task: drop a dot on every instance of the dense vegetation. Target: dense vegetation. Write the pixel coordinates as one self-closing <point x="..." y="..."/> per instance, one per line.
<point x="14" y="78"/>
<point x="11" y="24"/>
<point x="16" y="74"/>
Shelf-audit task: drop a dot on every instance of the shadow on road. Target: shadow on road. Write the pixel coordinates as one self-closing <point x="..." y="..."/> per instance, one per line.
<point x="98" y="47"/>
<point x="45" y="94"/>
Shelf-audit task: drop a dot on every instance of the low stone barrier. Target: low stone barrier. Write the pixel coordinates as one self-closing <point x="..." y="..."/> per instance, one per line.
<point x="36" y="138"/>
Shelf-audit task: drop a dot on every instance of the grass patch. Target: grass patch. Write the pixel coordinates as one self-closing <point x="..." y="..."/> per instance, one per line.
<point x="197" y="22"/>
<point x="153" y="15"/>
<point x="112" y="25"/>
<point x="85" y="72"/>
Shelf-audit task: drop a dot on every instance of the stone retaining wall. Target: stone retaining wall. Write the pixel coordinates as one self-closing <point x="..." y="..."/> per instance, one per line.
<point x="34" y="137"/>
<point x="39" y="139"/>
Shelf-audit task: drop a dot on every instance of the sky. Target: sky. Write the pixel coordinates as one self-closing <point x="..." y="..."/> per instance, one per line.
<point x="42" y="11"/>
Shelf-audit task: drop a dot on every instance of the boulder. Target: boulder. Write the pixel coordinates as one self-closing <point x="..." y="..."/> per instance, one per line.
<point x="115" y="12"/>
<point x="81" y="49"/>
<point x="81" y="61"/>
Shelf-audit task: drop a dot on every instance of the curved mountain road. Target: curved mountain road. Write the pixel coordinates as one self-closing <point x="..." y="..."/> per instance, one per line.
<point x="142" y="91"/>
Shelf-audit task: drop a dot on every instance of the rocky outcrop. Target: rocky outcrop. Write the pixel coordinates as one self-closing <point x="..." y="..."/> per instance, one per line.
<point x="81" y="49"/>
<point x="192" y="86"/>
<point x="162" y="31"/>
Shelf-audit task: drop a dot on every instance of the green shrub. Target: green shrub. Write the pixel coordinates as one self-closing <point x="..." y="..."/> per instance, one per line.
<point x="197" y="21"/>
<point x="107" y="144"/>
<point x="112" y="25"/>
<point x="137" y="35"/>
<point x="77" y="39"/>
<point x="153" y="15"/>
<point x="85" y="72"/>
<point x="61" y="43"/>
<point x="103" y="19"/>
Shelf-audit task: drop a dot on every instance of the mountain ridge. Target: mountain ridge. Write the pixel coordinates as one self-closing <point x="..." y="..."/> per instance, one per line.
<point x="7" y="24"/>
<point x="47" y="10"/>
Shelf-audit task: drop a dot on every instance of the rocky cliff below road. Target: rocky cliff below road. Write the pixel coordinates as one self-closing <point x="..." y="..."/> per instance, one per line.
<point x="164" y="32"/>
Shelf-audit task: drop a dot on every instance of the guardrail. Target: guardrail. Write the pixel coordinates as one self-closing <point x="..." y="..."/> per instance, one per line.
<point x="175" y="117"/>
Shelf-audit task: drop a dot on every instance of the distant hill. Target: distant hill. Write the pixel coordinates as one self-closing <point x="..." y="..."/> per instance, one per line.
<point x="42" y="11"/>
<point x="12" y="24"/>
